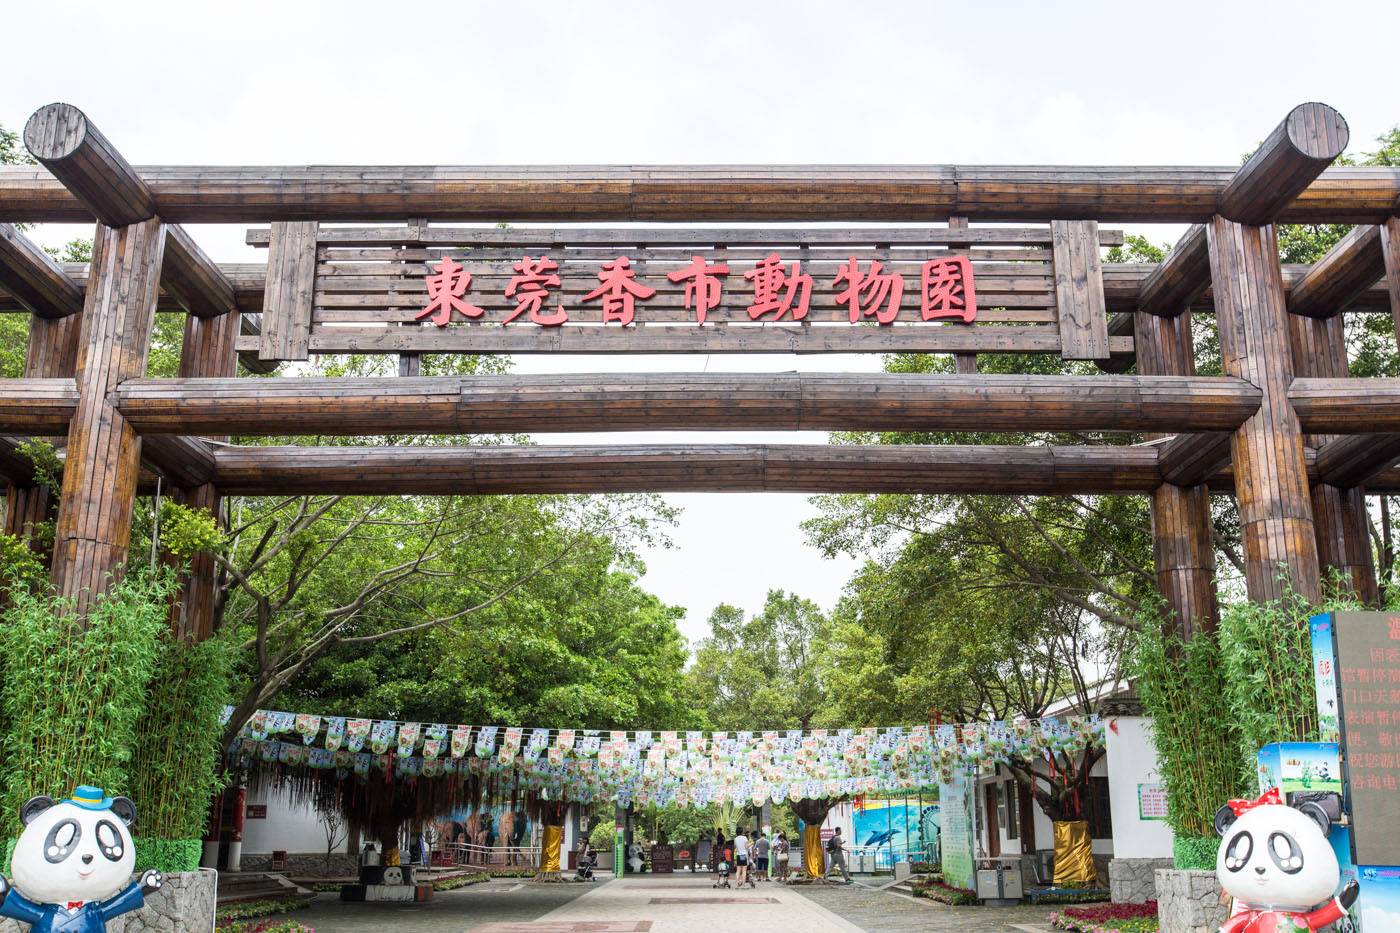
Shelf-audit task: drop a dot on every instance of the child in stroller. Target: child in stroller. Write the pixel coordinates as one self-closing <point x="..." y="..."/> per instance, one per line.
<point x="722" y="868"/>
<point x="587" y="861"/>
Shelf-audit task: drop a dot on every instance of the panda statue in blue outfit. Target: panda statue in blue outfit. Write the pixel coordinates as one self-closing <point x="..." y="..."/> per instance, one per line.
<point x="71" y="871"/>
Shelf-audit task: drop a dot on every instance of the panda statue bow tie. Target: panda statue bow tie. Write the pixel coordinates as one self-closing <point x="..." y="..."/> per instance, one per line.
<point x="1241" y="807"/>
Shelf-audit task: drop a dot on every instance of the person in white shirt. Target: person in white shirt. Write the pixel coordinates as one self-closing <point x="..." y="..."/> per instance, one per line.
<point x="741" y="857"/>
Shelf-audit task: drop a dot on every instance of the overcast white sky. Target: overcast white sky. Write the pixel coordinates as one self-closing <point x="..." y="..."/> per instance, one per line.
<point x="696" y="82"/>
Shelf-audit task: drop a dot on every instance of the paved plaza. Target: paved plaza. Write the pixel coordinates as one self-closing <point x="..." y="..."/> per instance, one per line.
<point x="670" y="904"/>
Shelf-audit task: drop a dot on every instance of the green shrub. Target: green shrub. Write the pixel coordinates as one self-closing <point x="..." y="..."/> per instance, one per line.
<point x="71" y="694"/>
<point x="461" y="881"/>
<point x="1200" y="746"/>
<point x="1266" y="650"/>
<point x="167" y="855"/>
<point x="178" y="772"/>
<point x="225" y="917"/>
<point x="1196" y="852"/>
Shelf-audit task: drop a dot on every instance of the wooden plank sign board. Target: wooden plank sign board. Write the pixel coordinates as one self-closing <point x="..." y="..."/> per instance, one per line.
<point x="421" y="289"/>
<point x="1367" y="652"/>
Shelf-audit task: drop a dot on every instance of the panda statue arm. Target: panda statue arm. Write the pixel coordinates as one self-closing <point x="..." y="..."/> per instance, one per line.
<point x="132" y="897"/>
<point x="16" y="906"/>
<point x="1333" y="910"/>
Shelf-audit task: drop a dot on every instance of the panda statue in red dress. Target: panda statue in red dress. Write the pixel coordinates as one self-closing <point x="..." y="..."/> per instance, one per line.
<point x="1276" y="861"/>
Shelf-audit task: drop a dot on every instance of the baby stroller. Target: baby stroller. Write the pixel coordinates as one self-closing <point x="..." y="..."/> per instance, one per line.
<point x="721" y="873"/>
<point x="586" y="863"/>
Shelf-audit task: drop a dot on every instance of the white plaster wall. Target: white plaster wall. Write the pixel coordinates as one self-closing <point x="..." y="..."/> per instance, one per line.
<point x="1132" y="760"/>
<point x="288" y="827"/>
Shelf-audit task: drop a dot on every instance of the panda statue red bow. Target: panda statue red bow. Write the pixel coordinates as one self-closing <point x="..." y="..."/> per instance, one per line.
<point x="1276" y="861"/>
<point x="72" y="866"/>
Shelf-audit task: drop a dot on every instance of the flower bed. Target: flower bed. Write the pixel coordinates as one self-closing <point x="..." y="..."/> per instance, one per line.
<point x="461" y="881"/>
<point x="945" y="893"/>
<point x="232" y="918"/>
<point x="266" y="926"/>
<point x="1108" y="918"/>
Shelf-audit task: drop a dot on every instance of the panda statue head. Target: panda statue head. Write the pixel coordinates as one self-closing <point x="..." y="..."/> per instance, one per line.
<point x="1276" y="856"/>
<point x="79" y="849"/>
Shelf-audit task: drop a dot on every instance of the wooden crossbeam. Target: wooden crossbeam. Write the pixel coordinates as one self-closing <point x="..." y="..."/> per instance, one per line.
<point x="36" y="406"/>
<point x="1192" y="459"/>
<point x="1176" y="283"/>
<point x="34" y="280"/>
<point x="684" y="401"/>
<point x="683" y="468"/>
<point x="738" y="193"/>
<point x="183" y="461"/>
<point x="1289" y="159"/>
<point x="193" y="279"/>
<point x="66" y="142"/>
<point x="1347" y="406"/>
<point x="1349" y="269"/>
<point x="1353" y="460"/>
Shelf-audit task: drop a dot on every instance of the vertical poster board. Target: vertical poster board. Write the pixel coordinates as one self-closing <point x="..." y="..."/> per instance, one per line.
<point x="1356" y="667"/>
<point x="956" y="832"/>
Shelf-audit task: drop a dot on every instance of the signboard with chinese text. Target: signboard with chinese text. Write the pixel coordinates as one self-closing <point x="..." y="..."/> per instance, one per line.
<point x="1367" y="655"/>
<point x="257" y="811"/>
<point x="683" y="290"/>
<point x="957" y="834"/>
<point x="1152" y="802"/>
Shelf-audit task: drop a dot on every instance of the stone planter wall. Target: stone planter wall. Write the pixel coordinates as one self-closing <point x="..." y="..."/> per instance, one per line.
<point x="1190" y="901"/>
<point x="185" y="904"/>
<point x="1133" y="881"/>
<point x="306" y="864"/>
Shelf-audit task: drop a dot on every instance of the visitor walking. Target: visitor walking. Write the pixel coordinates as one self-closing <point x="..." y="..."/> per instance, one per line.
<point x="761" y="846"/>
<point x="780" y="854"/>
<point x="835" y="849"/>
<point x="741" y="859"/>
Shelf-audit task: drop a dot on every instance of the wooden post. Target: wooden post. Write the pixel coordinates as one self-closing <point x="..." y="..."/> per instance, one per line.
<point x="1271" y="481"/>
<point x="1182" y="545"/>
<point x="53" y="353"/>
<point x="104" y="452"/>
<point x="1343" y="527"/>
<point x="208" y="351"/>
<point x="1390" y="249"/>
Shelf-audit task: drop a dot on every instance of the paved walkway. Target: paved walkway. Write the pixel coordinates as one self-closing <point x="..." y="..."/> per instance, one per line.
<point x="666" y="904"/>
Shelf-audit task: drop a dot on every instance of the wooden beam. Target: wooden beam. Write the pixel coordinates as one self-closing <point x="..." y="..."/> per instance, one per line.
<point x="737" y="193"/>
<point x="193" y="279"/>
<point x="1179" y="281"/>
<point x="1266" y="452"/>
<point x="36" y="406"/>
<point x="269" y="471"/>
<point x="182" y="461"/>
<point x="103" y="455"/>
<point x="1192" y="459"/>
<point x="65" y="142"/>
<point x="37" y="282"/>
<point x="1349" y="269"/>
<point x="1352" y="460"/>
<point x="1347" y="406"/>
<point x="683" y="401"/>
<point x="1298" y="150"/>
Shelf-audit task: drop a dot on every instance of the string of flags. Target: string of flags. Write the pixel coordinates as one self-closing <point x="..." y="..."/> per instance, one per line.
<point x="683" y="768"/>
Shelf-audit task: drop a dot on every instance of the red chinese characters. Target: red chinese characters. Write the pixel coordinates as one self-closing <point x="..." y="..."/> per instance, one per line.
<point x="446" y="286"/>
<point x="946" y="289"/>
<point x="866" y="292"/>
<point x="778" y="293"/>
<point x="619" y="291"/>
<point x="702" y="285"/>
<point x="530" y="287"/>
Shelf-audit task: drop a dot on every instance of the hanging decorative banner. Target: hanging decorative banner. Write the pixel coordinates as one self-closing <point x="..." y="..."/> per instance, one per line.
<point x="382" y="736"/>
<point x="308" y="725"/>
<point x="720" y="767"/>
